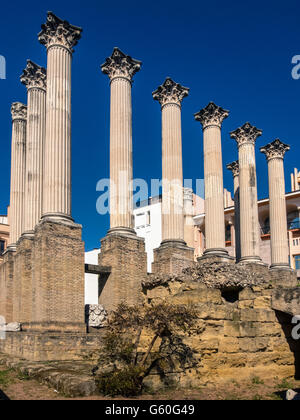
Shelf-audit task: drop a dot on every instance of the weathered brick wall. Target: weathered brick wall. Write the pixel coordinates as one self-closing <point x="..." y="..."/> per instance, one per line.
<point x="128" y="261"/>
<point x="22" y="290"/>
<point x="6" y="285"/>
<point x="58" y="273"/>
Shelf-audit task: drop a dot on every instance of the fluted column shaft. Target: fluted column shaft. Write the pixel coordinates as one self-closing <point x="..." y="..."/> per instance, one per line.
<point x="34" y="78"/>
<point x="172" y="174"/>
<point x="234" y="168"/>
<point x="189" y="226"/>
<point x="18" y="165"/>
<point x="214" y="194"/>
<point x="57" y="164"/>
<point x="121" y="171"/>
<point x="278" y="214"/>
<point x="250" y="241"/>
<point x="120" y="69"/>
<point x="245" y="137"/>
<point x="170" y="96"/>
<point x="237" y="227"/>
<point x="211" y="118"/>
<point x="275" y="152"/>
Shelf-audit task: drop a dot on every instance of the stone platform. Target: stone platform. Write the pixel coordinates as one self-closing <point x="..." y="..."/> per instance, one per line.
<point x="36" y="346"/>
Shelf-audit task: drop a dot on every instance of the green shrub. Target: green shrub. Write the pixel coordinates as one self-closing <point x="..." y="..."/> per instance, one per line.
<point x="126" y="382"/>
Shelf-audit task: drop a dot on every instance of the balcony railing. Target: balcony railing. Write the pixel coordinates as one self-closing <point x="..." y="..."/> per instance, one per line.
<point x="265" y="230"/>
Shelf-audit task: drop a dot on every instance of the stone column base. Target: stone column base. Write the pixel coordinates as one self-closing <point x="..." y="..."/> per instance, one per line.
<point x="172" y="257"/>
<point x="58" y="274"/>
<point x="23" y="279"/>
<point x="252" y="260"/>
<point x="126" y="256"/>
<point x="216" y="255"/>
<point x="6" y="284"/>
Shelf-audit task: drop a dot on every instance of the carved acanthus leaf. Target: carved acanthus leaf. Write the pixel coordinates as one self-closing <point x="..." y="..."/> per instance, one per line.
<point x="246" y="134"/>
<point x="18" y="111"/>
<point x="59" y="32"/>
<point x="170" y="92"/>
<point x="274" y="150"/>
<point x="34" y="76"/>
<point x="120" y="65"/>
<point x="211" y="115"/>
<point x="234" y="167"/>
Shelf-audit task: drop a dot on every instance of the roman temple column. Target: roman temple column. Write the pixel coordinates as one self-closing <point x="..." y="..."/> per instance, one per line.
<point x="173" y="254"/>
<point x="211" y="118"/>
<point x="18" y="164"/>
<point x="17" y="186"/>
<point x="59" y="37"/>
<point x="275" y="152"/>
<point x="34" y="78"/>
<point x="120" y="69"/>
<point x="245" y="137"/>
<point x="58" y="251"/>
<point x="235" y="169"/>
<point x="121" y="249"/>
<point x="170" y="96"/>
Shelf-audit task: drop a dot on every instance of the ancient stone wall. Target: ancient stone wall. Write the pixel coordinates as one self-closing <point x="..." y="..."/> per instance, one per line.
<point x="238" y="334"/>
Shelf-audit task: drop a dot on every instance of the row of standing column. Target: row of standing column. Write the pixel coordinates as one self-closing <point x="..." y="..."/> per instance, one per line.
<point x="247" y="228"/>
<point x="41" y="136"/>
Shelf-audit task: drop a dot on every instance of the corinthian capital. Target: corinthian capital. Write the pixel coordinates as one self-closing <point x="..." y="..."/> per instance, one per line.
<point x="211" y="115"/>
<point x="59" y="32"/>
<point x="274" y="150"/>
<point x="18" y="111"/>
<point x="246" y="134"/>
<point x="120" y="65"/>
<point x="234" y="167"/>
<point x="34" y="76"/>
<point x="170" y="93"/>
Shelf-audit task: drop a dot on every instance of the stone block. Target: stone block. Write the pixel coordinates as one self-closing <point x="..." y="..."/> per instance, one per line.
<point x="262" y="302"/>
<point x="229" y="345"/>
<point x="258" y="315"/>
<point x="231" y="329"/>
<point x="253" y="345"/>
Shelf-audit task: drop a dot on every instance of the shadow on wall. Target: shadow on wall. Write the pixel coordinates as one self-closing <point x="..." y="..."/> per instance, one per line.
<point x="285" y="321"/>
<point x="102" y="282"/>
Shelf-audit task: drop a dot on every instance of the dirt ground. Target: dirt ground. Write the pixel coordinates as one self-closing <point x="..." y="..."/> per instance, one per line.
<point x="13" y="386"/>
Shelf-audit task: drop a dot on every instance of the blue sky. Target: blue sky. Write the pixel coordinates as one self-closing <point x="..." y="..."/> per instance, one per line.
<point x="236" y="54"/>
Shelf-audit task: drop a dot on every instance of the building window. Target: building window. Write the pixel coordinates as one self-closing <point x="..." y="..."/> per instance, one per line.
<point x="2" y="247"/>
<point x="297" y="262"/>
<point x="228" y="233"/>
<point x="266" y="227"/>
<point x="293" y="221"/>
